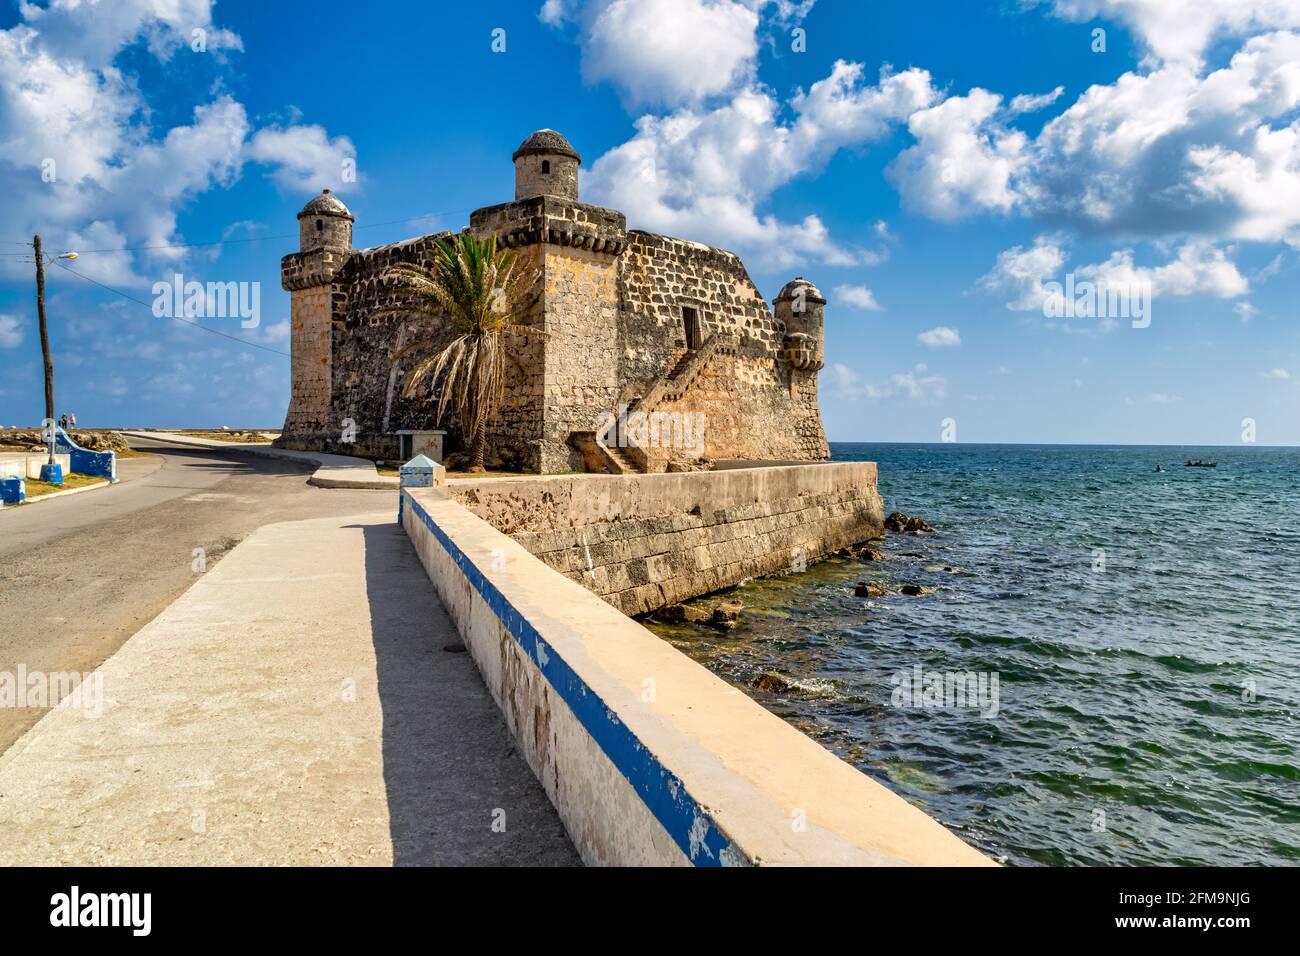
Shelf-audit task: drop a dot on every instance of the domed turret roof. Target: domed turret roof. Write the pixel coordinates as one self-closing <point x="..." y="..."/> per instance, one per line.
<point x="546" y="141"/>
<point x="811" y="292"/>
<point x="326" y="204"/>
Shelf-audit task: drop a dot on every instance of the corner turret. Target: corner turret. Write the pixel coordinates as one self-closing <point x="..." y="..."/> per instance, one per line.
<point x="801" y="307"/>
<point x="546" y="164"/>
<point x="325" y="223"/>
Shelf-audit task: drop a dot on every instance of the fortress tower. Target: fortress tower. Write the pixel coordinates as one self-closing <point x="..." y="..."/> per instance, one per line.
<point x="546" y="165"/>
<point x="325" y="243"/>
<point x="801" y="307"/>
<point x="624" y="321"/>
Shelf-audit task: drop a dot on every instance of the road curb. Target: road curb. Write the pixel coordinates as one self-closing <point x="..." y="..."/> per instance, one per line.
<point x="332" y="471"/>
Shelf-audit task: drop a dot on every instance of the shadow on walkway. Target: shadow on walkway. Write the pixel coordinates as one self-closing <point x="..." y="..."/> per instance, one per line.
<point x="450" y="766"/>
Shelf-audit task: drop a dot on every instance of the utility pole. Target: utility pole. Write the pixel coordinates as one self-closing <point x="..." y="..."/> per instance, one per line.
<point x="45" y="339"/>
<point x="45" y="332"/>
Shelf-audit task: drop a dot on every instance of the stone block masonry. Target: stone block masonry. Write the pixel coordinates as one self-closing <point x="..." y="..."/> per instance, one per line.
<point x="643" y="541"/>
<point x="620" y="314"/>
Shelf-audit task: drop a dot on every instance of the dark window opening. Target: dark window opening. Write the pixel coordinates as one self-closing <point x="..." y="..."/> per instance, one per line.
<point x="320" y="226"/>
<point x="694" y="333"/>
<point x="546" y="167"/>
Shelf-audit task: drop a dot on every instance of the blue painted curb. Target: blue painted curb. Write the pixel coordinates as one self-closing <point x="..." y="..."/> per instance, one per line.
<point x="663" y="792"/>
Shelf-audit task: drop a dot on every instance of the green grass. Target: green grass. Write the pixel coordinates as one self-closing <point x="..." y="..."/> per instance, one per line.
<point x="38" y="489"/>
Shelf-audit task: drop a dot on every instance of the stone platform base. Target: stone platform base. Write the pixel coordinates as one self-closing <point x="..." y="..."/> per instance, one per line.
<point x="644" y="541"/>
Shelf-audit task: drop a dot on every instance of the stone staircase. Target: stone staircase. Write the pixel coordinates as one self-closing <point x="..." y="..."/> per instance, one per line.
<point x="625" y="456"/>
<point x="619" y="462"/>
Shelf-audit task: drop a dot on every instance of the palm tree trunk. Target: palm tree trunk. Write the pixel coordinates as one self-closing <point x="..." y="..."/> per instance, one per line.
<point x="479" y="447"/>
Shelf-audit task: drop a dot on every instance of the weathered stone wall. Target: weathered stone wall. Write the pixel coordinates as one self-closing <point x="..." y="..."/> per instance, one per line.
<point x="644" y="541"/>
<point x="608" y="323"/>
<point x="369" y="371"/>
<point x="575" y="247"/>
<point x="560" y="180"/>
<point x="751" y="412"/>
<point x="582" y="353"/>
<point x="310" y="362"/>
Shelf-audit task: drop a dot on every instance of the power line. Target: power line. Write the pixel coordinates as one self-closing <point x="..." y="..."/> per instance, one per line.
<point x="222" y="242"/>
<point x="131" y="298"/>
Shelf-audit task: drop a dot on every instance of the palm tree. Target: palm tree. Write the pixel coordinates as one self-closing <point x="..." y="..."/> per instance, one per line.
<point x="483" y="294"/>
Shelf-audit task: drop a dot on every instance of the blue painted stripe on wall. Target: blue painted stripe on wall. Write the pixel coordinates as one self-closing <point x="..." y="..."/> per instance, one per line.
<point x="662" y="791"/>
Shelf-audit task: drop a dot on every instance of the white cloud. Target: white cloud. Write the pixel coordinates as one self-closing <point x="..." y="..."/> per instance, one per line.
<point x="1277" y="373"/>
<point x="1198" y="268"/>
<point x="965" y="159"/>
<point x="1031" y="103"/>
<point x="671" y="52"/>
<point x="940" y="337"/>
<point x="704" y="173"/>
<point x="555" y="12"/>
<point x="915" y="384"/>
<point x="1024" y="273"/>
<point x="94" y="32"/>
<point x="11" y="331"/>
<point x="304" y="158"/>
<point x="856" y="297"/>
<point x="277" y="333"/>
<point x="1180" y="30"/>
<point x="1173" y="150"/>
<point x="1245" y="311"/>
<point x="80" y="157"/>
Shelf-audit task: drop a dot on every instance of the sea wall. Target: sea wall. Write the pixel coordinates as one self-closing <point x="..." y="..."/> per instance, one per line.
<point x="648" y="757"/>
<point x="644" y="541"/>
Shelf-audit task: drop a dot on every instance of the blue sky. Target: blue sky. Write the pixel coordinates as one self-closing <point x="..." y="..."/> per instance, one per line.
<point x="932" y="166"/>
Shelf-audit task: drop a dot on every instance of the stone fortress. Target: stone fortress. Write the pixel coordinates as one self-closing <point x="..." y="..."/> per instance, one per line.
<point x="643" y="353"/>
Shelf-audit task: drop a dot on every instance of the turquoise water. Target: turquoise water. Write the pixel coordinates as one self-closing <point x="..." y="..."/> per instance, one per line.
<point x="1144" y="629"/>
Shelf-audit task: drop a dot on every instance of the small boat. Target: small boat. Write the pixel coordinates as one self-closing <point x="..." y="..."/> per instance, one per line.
<point x="1201" y="464"/>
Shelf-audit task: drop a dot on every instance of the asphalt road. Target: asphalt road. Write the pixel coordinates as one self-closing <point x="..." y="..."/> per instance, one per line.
<point x="82" y="573"/>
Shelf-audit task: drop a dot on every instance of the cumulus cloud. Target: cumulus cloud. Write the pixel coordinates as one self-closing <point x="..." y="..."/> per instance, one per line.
<point x="95" y="32"/>
<point x="940" y="337"/>
<point x="856" y="297"/>
<point x="1174" y="150"/>
<point x="966" y="158"/>
<point x="1025" y="272"/>
<point x="915" y="384"/>
<point x="80" y="159"/>
<point x="1033" y="276"/>
<point x="303" y="158"/>
<point x="704" y="173"/>
<point x="1180" y="30"/>
<point x="11" y="331"/>
<point x="670" y="53"/>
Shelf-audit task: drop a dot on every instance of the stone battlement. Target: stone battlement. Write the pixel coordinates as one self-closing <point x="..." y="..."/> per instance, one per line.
<point x="617" y="312"/>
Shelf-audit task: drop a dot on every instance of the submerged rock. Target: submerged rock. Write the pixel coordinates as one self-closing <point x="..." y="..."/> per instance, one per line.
<point x="771" y="682"/>
<point x="682" y="614"/>
<point x="900" y="523"/>
<point x="871" y="554"/>
<point x="913" y="590"/>
<point x="726" y="615"/>
<point x="869" y="589"/>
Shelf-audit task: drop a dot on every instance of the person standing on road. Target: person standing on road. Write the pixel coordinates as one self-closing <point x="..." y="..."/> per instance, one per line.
<point x="72" y="421"/>
<point x="63" y="421"/>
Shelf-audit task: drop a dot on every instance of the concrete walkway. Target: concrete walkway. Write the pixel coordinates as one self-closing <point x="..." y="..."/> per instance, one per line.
<point x="332" y="471"/>
<point x="298" y="705"/>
